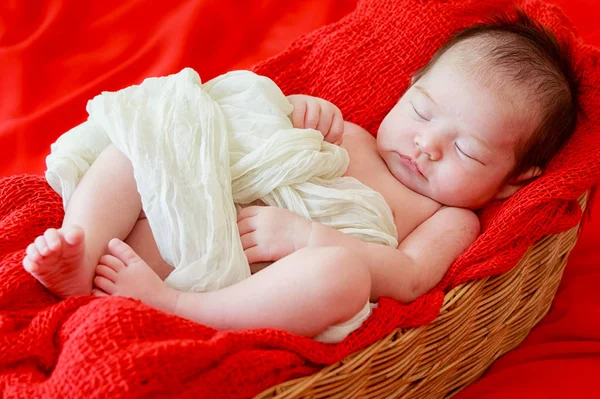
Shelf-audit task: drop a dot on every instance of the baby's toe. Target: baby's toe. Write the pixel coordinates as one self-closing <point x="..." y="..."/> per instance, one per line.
<point x="29" y="265"/>
<point x="32" y="252"/>
<point x="105" y="285"/>
<point x="74" y="235"/>
<point x="107" y="272"/>
<point x="112" y="262"/>
<point x="41" y="246"/>
<point x="52" y="238"/>
<point x="97" y="292"/>
<point x="123" y="252"/>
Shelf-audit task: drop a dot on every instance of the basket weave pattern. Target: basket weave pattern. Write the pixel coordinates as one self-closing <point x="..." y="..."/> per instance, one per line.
<point x="479" y="322"/>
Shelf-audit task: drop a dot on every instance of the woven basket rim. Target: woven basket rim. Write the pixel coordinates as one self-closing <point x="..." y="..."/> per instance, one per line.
<point x="470" y="304"/>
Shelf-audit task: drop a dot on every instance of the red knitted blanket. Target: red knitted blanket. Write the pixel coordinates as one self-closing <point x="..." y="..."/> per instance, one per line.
<point x="120" y="348"/>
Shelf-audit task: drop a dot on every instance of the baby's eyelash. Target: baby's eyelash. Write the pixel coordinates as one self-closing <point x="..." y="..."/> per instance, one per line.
<point x="466" y="155"/>
<point x="419" y="115"/>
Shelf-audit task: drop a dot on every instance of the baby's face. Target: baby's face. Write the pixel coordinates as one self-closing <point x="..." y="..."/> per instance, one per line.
<point x="451" y="138"/>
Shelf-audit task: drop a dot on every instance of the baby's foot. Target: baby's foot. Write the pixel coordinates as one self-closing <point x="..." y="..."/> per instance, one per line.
<point x="124" y="273"/>
<point x="56" y="259"/>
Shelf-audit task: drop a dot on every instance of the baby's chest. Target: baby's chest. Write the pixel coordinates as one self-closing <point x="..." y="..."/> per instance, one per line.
<point x="410" y="209"/>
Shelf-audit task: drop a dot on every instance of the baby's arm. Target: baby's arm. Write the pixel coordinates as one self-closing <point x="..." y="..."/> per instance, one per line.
<point x="403" y="273"/>
<point x="421" y="259"/>
<point x="315" y="113"/>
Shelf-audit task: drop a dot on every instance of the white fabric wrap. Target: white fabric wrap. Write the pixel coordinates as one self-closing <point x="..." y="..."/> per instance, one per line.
<point x="199" y="149"/>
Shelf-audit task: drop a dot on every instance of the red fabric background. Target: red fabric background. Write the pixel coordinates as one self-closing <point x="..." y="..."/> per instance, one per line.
<point x="55" y="55"/>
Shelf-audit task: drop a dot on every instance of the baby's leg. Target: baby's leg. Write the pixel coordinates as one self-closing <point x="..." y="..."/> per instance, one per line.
<point x="105" y="205"/>
<point x="303" y="293"/>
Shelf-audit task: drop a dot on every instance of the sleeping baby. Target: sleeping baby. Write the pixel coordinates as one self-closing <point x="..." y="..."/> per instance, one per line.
<point x="482" y="119"/>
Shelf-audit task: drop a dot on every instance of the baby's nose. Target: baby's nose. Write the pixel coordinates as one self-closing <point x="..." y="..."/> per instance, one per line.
<point x="428" y="146"/>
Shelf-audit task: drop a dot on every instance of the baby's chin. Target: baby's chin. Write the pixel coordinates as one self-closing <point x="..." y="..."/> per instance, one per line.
<point x="455" y="201"/>
<point x="414" y="186"/>
<point x="430" y="196"/>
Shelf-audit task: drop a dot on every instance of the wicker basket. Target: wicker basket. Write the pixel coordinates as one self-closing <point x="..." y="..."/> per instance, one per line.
<point x="479" y="322"/>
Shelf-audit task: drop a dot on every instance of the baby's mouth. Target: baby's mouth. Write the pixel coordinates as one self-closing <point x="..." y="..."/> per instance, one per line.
<point x="411" y="164"/>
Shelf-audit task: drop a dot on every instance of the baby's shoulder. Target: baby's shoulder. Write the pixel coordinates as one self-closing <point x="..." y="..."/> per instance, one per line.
<point x="354" y="130"/>
<point x="462" y="220"/>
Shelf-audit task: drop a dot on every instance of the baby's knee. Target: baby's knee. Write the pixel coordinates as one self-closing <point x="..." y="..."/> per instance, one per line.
<point x="344" y="279"/>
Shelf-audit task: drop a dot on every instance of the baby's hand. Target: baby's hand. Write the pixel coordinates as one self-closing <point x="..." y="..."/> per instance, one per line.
<point x="316" y="113"/>
<point x="268" y="233"/>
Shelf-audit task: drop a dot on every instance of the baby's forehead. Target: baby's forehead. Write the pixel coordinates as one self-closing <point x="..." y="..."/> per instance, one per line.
<point x="478" y="48"/>
<point x="474" y="58"/>
<point x="511" y="102"/>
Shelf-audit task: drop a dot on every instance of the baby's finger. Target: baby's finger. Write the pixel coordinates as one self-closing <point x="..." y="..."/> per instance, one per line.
<point x="254" y="255"/>
<point x="313" y="114"/>
<point x="325" y="122"/>
<point x="248" y="212"/>
<point x="336" y="131"/>
<point x="246" y="226"/>
<point x="298" y="114"/>
<point x="248" y="240"/>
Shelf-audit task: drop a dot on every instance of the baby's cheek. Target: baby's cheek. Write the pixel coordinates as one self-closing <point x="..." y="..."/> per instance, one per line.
<point x="456" y="184"/>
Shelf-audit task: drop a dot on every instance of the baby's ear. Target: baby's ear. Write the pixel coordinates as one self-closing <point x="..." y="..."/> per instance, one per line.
<point x="515" y="183"/>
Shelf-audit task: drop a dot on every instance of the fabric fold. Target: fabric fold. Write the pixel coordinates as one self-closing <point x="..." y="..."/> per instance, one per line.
<point x="198" y="149"/>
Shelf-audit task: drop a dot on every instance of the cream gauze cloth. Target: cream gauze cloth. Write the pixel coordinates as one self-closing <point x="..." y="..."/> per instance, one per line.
<point x="198" y="149"/>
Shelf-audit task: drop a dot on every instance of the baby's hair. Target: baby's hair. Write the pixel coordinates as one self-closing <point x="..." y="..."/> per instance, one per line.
<point x="522" y="51"/>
